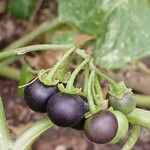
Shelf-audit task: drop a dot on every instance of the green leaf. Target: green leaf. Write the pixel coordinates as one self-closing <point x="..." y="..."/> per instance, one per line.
<point x="21" y="9"/>
<point x="125" y="35"/>
<point x="66" y="37"/>
<point x="26" y="76"/>
<point x="85" y="14"/>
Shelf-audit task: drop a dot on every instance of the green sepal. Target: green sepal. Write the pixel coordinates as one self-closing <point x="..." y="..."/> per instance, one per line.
<point x="62" y="77"/>
<point x="69" y="91"/>
<point x="89" y="114"/>
<point x="118" y="90"/>
<point x="42" y="75"/>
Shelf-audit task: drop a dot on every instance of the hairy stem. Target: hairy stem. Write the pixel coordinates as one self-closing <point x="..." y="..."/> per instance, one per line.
<point x="4" y="132"/>
<point x="136" y="129"/>
<point x="86" y="78"/>
<point x="10" y="73"/>
<point x="52" y="73"/>
<point x="75" y="73"/>
<point x="32" y="133"/>
<point x="90" y="97"/>
<point x="23" y="50"/>
<point x="44" y="27"/>
<point x="140" y="117"/>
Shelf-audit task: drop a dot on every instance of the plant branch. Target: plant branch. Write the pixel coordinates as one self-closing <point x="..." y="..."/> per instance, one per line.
<point x="4" y="132"/>
<point x="44" y="27"/>
<point x="23" y="50"/>
<point x="142" y="100"/>
<point x="89" y="96"/>
<point x="136" y="129"/>
<point x="140" y="117"/>
<point x="75" y="73"/>
<point x="9" y="72"/>
<point x="31" y="134"/>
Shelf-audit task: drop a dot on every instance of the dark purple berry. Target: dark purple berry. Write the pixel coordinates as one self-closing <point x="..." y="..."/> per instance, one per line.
<point x="37" y="94"/>
<point x="80" y="125"/>
<point x="101" y="127"/>
<point x="65" y="110"/>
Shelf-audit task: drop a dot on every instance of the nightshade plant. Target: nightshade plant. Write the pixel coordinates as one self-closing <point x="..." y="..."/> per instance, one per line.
<point x="103" y="121"/>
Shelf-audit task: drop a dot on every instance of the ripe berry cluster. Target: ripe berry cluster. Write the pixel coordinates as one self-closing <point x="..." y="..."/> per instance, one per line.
<point x="66" y="108"/>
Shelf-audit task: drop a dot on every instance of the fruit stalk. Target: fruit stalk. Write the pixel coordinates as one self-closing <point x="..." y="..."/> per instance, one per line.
<point x="136" y="129"/>
<point x="32" y="133"/>
<point x="75" y="73"/>
<point x="51" y="74"/>
<point x="89" y="96"/>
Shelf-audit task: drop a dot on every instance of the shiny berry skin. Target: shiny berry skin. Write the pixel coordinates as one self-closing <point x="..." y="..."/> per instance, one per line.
<point x="65" y="110"/>
<point x="125" y="105"/>
<point x="101" y="127"/>
<point x="36" y="95"/>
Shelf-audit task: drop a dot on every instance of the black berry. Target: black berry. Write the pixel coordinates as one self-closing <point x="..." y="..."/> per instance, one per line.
<point x="37" y="94"/>
<point x="65" y="110"/>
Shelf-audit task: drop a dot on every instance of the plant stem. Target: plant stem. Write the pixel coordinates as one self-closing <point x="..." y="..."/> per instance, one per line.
<point x="52" y="72"/>
<point x="23" y="50"/>
<point x="86" y="79"/>
<point x="4" y="132"/>
<point x="82" y="53"/>
<point x="31" y="134"/>
<point x="136" y="129"/>
<point x="2" y="7"/>
<point x="98" y="89"/>
<point x="90" y="97"/>
<point x="140" y="117"/>
<point x="142" y="100"/>
<point x="95" y="96"/>
<point x="75" y="73"/>
<point x="44" y="27"/>
<point x="10" y="73"/>
<point x="103" y="75"/>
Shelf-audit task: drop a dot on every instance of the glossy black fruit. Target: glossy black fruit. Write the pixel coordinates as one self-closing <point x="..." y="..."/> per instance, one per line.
<point x="101" y="127"/>
<point x="80" y="125"/>
<point x="37" y="94"/>
<point x="65" y="110"/>
<point x="125" y="105"/>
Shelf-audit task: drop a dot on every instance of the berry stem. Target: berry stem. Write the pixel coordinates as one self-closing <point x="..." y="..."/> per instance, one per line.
<point x="23" y="50"/>
<point x="82" y="53"/>
<point x="90" y="97"/>
<point x="52" y="72"/>
<point x="95" y="97"/>
<point x="136" y="129"/>
<point x="75" y="73"/>
<point x="86" y="79"/>
<point x="103" y="75"/>
<point x="5" y="142"/>
<point x="98" y="89"/>
<point x="140" y="117"/>
<point x="32" y="133"/>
